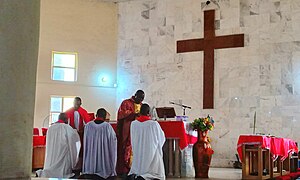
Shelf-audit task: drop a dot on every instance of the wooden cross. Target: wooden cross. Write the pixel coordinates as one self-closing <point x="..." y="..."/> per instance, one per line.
<point x="208" y="44"/>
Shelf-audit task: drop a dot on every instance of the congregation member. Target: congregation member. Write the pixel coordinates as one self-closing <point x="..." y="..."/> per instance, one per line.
<point x="100" y="148"/>
<point x="77" y="118"/>
<point x="127" y="113"/>
<point x="147" y="139"/>
<point x="62" y="149"/>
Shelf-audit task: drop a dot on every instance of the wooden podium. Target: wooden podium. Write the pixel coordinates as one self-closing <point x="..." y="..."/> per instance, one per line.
<point x="38" y="157"/>
<point x="38" y="151"/>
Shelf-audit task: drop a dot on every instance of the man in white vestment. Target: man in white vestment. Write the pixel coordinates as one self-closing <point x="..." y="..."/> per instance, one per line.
<point x="62" y="150"/>
<point x="100" y="147"/>
<point x="147" y="139"/>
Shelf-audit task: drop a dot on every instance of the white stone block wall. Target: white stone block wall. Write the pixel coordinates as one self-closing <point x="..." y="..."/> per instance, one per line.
<point x="262" y="77"/>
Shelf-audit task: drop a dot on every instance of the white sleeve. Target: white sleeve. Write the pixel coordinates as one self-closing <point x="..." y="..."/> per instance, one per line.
<point x="74" y="144"/>
<point x="113" y="146"/>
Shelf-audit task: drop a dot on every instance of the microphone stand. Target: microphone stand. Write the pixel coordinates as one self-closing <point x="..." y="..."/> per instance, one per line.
<point x="184" y="107"/>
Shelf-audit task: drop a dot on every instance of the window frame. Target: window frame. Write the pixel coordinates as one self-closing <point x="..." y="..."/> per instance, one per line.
<point x="62" y="106"/>
<point x="75" y="68"/>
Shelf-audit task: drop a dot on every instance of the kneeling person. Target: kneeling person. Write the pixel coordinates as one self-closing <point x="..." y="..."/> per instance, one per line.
<point x="147" y="139"/>
<point x="100" y="147"/>
<point x="62" y="150"/>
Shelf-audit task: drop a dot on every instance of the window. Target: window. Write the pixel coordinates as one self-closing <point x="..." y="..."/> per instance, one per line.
<point x="59" y="104"/>
<point x="64" y="66"/>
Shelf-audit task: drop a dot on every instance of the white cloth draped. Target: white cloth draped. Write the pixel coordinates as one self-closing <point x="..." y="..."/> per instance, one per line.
<point x="76" y="119"/>
<point x="62" y="150"/>
<point x="147" y="139"/>
<point x="100" y="150"/>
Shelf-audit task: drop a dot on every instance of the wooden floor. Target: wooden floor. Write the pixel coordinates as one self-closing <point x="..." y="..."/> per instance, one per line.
<point x="214" y="174"/>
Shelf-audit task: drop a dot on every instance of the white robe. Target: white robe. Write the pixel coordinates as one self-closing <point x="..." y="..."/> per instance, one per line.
<point x="147" y="139"/>
<point x="62" y="150"/>
<point x="100" y="150"/>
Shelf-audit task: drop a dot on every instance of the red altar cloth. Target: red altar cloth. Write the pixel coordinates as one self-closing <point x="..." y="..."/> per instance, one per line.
<point x="174" y="130"/>
<point x="277" y="146"/>
<point x="39" y="141"/>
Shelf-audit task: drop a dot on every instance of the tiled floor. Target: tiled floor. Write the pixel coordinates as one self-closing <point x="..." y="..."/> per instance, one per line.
<point x="214" y="174"/>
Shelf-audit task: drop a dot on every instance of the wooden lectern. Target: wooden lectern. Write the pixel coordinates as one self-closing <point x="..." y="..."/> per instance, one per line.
<point x="165" y="112"/>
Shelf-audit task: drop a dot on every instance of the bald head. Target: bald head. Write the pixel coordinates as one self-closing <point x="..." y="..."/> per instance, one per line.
<point x="145" y="110"/>
<point x="101" y="113"/>
<point x="63" y="117"/>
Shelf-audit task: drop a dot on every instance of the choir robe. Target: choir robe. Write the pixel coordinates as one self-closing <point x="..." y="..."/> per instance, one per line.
<point x="147" y="139"/>
<point x="62" y="149"/>
<point x="100" y="149"/>
<point x="126" y="114"/>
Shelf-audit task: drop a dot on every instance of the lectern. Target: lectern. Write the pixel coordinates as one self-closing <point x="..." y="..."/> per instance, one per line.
<point x="165" y="112"/>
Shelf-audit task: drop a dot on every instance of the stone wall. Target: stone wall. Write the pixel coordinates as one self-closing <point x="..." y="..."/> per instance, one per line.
<point x="262" y="78"/>
<point x="19" y="42"/>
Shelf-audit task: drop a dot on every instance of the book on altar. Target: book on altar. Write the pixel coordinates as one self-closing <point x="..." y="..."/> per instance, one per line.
<point x="165" y="112"/>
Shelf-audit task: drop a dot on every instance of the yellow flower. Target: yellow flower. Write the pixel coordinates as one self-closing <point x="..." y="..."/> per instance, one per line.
<point x="205" y="120"/>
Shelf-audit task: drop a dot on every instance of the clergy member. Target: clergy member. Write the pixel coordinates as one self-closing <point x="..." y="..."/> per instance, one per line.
<point x="78" y="117"/>
<point x="100" y="147"/>
<point x="127" y="112"/>
<point x="147" y="139"/>
<point x="62" y="149"/>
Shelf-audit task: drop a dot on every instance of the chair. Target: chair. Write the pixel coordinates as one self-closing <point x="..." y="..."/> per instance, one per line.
<point x="36" y="132"/>
<point x="44" y="131"/>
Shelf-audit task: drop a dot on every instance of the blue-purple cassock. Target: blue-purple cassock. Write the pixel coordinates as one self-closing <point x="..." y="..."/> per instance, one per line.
<point x="100" y="150"/>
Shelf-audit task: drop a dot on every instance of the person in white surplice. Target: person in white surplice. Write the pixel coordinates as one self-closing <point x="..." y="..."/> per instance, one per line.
<point x="100" y="147"/>
<point x="147" y="139"/>
<point x="62" y="150"/>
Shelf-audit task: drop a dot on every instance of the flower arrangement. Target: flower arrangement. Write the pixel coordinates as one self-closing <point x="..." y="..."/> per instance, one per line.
<point x="203" y="124"/>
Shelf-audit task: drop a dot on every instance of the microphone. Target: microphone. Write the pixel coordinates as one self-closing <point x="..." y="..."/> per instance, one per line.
<point x="184" y="106"/>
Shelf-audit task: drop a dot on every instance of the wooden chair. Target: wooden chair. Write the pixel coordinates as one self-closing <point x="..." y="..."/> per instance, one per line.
<point x="255" y="160"/>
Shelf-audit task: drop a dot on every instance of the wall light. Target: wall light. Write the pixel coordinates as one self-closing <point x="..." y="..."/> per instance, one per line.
<point x="106" y="81"/>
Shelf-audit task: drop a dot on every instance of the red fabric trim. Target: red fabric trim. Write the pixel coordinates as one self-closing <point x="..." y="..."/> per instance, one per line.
<point x="60" y="121"/>
<point x="99" y="119"/>
<point x="143" y="118"/>
<point x="39" y="141"/>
